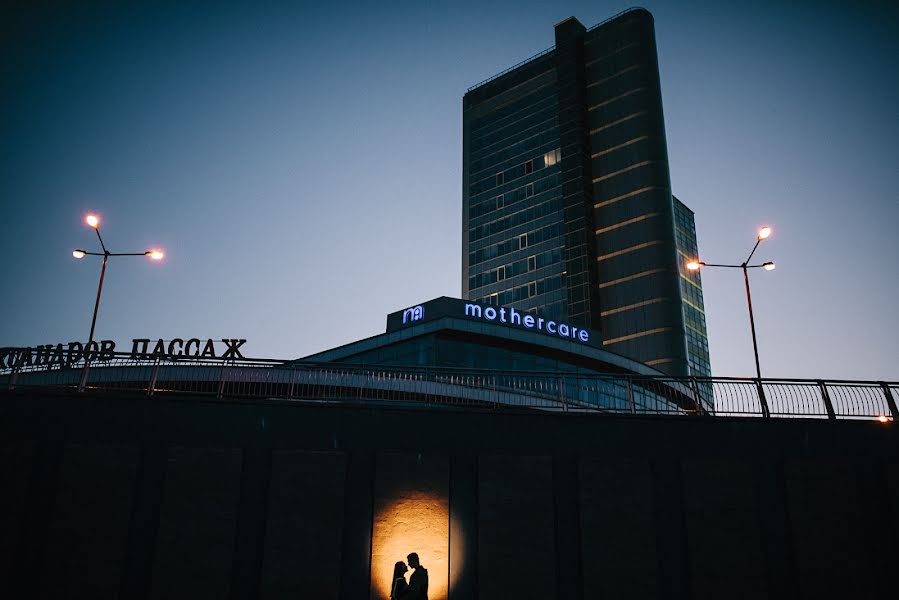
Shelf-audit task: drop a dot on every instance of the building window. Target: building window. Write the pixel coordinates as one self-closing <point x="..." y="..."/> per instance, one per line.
<point x="532" y="289"/>
<point x="499" y="179"/>
<point x="529" y="167"/>
<point x="529" y="190"/>
<point x="552" y="157"/>
<point x="493" y="299"/>
<point x="523" y="241"/>
<point x="500" y="201"/>
<point x="532" y="263"/>
<point x="501" y="273"/>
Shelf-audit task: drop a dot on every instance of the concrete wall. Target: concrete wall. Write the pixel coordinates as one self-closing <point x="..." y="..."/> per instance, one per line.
<point x="126" y="497"/>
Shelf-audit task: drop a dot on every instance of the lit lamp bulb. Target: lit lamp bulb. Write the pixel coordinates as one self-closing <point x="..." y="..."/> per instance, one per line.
<point x="78" y="253"/>
<point x="764" y="232"/>
<point x="694" y="265"/>
<point x="768" y="266"/>
<point x="155" y="254"/>
<point x="93" y="221"/>
<point x="883" y="419"/>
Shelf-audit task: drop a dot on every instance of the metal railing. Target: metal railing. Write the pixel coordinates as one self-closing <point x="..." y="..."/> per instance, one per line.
<point x="548" y="391"/>
<point x="512" y="68"/>
<point x="548" y="50"/>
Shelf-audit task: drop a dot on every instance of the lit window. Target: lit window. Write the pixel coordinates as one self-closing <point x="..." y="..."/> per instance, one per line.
<point x="523" y="241"/>
<point x="532" y="263"/>
<point x="532" y="289"/>
<point x="500" y="201"/>
<point x="501" y="273"/>
<point x="552" y="157"/>
<point x="493" y="299"/>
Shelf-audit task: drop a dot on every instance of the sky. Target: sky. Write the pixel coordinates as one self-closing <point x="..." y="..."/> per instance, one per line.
<point x="300" y="165"/>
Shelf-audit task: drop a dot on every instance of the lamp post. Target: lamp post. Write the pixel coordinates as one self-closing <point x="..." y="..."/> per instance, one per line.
<point x="155" y="254"/>
<point x="763" y="234"/>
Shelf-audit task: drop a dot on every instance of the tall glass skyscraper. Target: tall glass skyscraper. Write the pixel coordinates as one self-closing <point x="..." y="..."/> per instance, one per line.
<point x="567" y="204"/>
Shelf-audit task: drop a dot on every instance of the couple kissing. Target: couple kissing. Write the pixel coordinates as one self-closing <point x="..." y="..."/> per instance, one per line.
<point x="416" y="588"/>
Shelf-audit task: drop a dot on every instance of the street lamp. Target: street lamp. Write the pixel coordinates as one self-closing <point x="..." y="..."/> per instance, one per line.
<point x="94" y="222"/>
<point x="695" y="265"/>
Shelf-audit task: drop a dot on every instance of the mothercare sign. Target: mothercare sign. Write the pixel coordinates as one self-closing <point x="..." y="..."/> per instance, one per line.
<point x="104" y="350"/>
<point x="496" y="315"/>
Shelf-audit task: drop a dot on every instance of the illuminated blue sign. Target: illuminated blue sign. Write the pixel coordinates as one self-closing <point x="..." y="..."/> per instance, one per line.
<point x="416" y="313"/>
<point x="526" y="321"/>
<point x="454" y="308"/>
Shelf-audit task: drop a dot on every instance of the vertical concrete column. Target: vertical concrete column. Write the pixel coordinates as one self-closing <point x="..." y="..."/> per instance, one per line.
<point x="568" y="527"/>
<point x="194" y="550"/>
<point x="777" y="541"/>
<point x="26" y="573"/>
<point x="15" y="465"/>
<point x="671" y="531"/>
<point x="304" y="525"/>
<point x="879" y="532"/>
<point x="463" y="542"/>
<point x="144" y="521"/>
<point x="90" y="520"/>
<point x="251" y="517"/>
<point x="516" y="528"/>
<point x="356" y="546"/>
<point x="618" y="539"/>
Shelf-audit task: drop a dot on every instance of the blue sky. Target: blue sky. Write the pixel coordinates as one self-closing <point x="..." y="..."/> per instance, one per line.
<point x="302" y="167"/>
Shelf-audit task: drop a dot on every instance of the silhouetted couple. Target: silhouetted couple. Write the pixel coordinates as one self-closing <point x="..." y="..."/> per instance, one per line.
<point x="417" y="588"/>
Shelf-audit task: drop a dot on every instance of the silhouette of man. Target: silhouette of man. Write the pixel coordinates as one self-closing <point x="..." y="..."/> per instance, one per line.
<point x="418" y="582"/>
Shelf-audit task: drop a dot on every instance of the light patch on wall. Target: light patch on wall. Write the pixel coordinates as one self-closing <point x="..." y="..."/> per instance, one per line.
<point x="415" y="522"/>
<point x="411" y="515"/>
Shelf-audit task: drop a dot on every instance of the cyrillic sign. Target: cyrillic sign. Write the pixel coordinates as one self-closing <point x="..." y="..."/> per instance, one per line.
<point x="104" y="350"/>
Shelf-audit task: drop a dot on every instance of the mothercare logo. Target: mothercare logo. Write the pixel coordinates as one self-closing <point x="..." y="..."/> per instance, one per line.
<point x="527" y="321"/>
<point x="415" y="313"/>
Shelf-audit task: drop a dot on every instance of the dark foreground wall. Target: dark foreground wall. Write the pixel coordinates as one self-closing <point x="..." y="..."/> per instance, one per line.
<point x="107" y="497"/>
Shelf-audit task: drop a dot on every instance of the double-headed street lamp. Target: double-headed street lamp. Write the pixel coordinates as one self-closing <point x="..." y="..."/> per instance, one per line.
<point x="94" y="222"/>
<point x="694" y="265"/>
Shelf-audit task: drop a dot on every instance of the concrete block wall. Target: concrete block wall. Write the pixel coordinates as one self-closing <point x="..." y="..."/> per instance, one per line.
<point x="126" y="497"/>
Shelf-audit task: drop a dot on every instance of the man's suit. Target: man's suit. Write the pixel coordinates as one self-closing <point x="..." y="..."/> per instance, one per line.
<point x="418" y="585"/>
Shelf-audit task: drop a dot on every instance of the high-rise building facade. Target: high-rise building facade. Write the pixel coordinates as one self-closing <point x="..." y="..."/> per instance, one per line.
<point x="567" y="203"/>
<point x="691" y="292"/>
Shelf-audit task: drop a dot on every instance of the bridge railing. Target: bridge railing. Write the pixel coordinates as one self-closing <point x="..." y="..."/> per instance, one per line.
<point x="548" y="391"/>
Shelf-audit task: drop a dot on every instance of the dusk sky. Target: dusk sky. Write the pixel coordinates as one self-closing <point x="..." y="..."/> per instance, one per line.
<point x="301" y="167"/>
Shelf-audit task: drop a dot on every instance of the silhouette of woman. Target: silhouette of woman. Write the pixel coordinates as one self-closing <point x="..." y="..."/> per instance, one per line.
<point x="399" y="586"/>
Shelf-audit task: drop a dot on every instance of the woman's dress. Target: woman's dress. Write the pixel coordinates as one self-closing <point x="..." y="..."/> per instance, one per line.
<point x="399" y="588"/>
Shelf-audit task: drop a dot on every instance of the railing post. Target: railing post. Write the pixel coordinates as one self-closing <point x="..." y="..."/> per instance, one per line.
<point x="630" y="395"/>
<point x="828" y="405"/>
<point x="221" y="390"/>
<point x="763" y="402"/>
<point x="151" y="387"/>
<point x="696" y="400"/>
<point x="82" y="383"/>
<point x="495" y="397"/>
<point x="13" y="376"/>
<point x="891" y="402"/>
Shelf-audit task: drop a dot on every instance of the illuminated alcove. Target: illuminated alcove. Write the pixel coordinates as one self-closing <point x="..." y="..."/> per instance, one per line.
<point x="411" y="514"/>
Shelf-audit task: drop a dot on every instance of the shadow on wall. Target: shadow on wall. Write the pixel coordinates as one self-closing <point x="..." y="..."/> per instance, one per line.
<point x="411" y="515"/>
